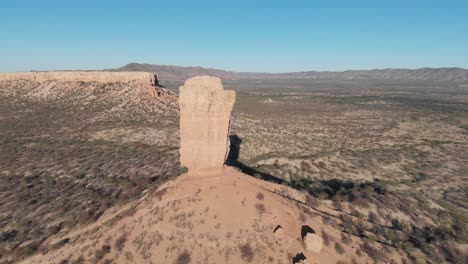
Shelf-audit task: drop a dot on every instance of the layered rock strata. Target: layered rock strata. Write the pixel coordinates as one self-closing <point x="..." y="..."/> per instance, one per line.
<point x="82" y="76"/>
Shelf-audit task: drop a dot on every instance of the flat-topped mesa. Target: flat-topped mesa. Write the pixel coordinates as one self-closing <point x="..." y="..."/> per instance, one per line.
<point x="205" y="108"/>
<point x="145" y="78"/>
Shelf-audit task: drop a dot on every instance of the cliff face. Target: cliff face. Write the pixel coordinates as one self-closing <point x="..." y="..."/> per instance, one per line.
<point x="125" y="95"/>
<point x="77" y="76"/>
<point x="205" y="109"/>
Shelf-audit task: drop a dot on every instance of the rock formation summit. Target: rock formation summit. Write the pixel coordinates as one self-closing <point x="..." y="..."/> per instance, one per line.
<point x="205" y="108"/>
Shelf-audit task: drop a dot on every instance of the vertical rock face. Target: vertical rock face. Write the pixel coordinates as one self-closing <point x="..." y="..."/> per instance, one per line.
<point x="205" y="108"/>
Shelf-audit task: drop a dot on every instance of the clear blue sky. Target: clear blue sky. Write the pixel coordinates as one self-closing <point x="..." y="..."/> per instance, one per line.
<point x="271" y="36"/>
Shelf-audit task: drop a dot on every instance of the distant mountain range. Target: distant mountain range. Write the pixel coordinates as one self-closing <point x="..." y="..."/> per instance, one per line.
<point x="180" y="73"/>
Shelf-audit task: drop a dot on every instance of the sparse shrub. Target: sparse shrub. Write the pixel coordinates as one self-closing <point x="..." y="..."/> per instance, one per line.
<point x="339" y="249"/>
<point x="312" y="201"/>
<point x="60" y="243"/>
<point x="400" y="225"/>
<point x="356" y="213"/>
<point x="345" y="238"/>
<point x="305" y="165"/>
<point x="373" y="217"/>
<point x="84" y="218"/>
<point x="407" y="246"/>
<point x="325" y="238"/>
<point x="184" y="258"/>
<point x="102" y="252"/>
<point x="348" y="224"/>
<point x="247" y="253"/>
<point x="54" y="229"/>
<point x="375" y="254"/>
<point x="391" y="236"/>
<point x="302" y="217"/>
<point x="79" y="260"/>
<point x="120" y="242"/>
<point x="337" y="205"/>
<point x="260" y="196"/>
<point x="320" y="165"/>
<point x="260" y="208"/>
<point x="8" y="235"/>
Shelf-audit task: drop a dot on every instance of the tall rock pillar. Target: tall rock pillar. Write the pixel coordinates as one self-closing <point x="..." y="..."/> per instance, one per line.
<point x="205" y="108"/>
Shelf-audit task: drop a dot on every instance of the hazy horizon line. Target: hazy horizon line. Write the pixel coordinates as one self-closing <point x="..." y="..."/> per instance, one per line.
<point x="240" y="71"/>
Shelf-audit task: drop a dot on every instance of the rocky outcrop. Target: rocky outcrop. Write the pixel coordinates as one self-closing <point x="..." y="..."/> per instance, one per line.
<point x="312" y="240"/>
<point x="154" y="79"/>
<point x="205" y="108"/>
<point x="79" y="76"/>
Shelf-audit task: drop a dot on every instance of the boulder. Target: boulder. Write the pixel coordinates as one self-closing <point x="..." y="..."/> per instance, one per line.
<point x="278" y="230"/>
<point x="154" y="79"/>
<point x="312" y="241"/>
<point x="300" y="258"/>
<point x="205" y="109"/>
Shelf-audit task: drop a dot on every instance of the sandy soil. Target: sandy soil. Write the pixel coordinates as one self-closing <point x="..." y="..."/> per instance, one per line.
<point x="220" y="217"/>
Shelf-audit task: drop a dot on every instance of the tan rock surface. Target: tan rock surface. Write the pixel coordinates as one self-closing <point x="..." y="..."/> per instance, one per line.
<point x="205" y="108"/>
<point x="313" y="242"/>
<point x="216" y="218"/>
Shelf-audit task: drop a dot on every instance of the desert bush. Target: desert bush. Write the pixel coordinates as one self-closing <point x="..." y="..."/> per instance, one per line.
<point x="8" y="235"/>
<point x="400" y="225"/>
<point x="375" y="254"/>
<point x="247" y="253"/>
<point x="356" y="213"/>
<point x="59" y="244"/>
<point x="105" y="249"/>
<point x="373" y="217"/>
<point x="120" y="242"/>
<point x="337" y="205"/>
<point x="260" y="208"/>
<point x="312" y="201"/>
<point x="260" y="196"/>
<point x="183" y="258"/>
<point x="348" y="224"/>
<point x="345" y="238"/>
<point x="325" y="238"/>
<point x="339" y="249"/>
<point x="78" y="260"/>
<point x="302" y="217"/>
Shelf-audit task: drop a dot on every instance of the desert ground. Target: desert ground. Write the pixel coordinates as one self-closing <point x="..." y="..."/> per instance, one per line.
<point x="391" y="154"/>
<point x="378" y="168"/>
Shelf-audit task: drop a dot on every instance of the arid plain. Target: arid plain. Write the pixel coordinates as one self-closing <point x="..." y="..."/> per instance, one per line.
<point x="378" y="168"/>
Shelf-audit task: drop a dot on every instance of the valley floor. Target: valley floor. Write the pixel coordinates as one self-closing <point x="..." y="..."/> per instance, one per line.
<point x="382" y="168"/>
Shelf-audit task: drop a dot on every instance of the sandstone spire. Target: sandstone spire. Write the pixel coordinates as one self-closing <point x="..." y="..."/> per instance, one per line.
<point x="205" y="108"/>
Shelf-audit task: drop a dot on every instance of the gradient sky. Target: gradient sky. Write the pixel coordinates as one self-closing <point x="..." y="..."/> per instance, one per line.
<point x="267" y="36"/>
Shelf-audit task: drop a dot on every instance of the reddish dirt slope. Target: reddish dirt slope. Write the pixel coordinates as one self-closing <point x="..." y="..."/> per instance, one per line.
<point x="220" y="217"/>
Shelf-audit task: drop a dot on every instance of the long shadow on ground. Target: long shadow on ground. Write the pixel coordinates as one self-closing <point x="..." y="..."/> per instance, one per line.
<point x="326" y="189"/>
<point x="233" y="160"/>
